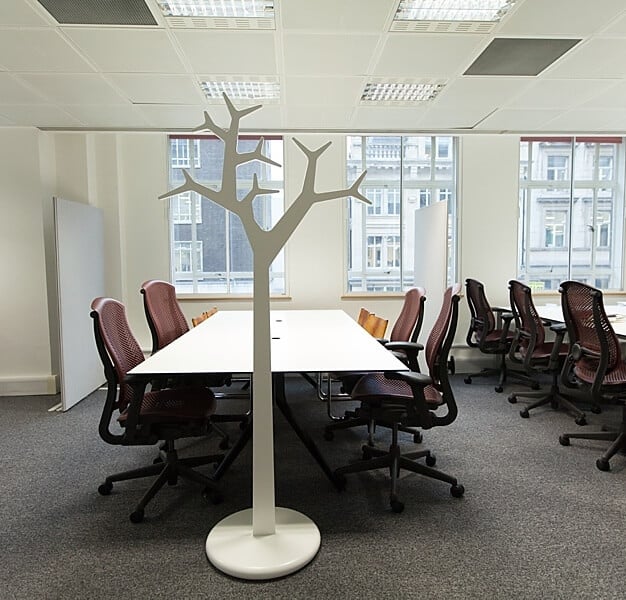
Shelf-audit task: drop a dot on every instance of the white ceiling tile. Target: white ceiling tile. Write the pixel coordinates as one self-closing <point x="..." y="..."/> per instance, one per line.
<point x="427" y="55"/>
<point x="268" y="117"/>
<point x="614" y="96"/>
<point x="390" y="118"/>
<point x="115" y="117"/>
<point x="600" y="57"/>
<point x="517" y="120"/>
<point x="617" y="27"/>
<point x="165" y="116"/>
<point x="144" y="88"/>
<point x="4" y="121"/>
<point x="320" y="117"/>
<point x="17" y="12"/>
<point x="334" y="55"/>
<point x="451" y="118"/>
<point x="560" y="17"/>
<point x="127" y="50"/>
<point x="580" y="120"/>
<point x="38" y="115"/>
<point x="41" y="50"/>
<point x="559" y="93"/>
<point x="228" y="51"/>
<point x="67" y="88"/>
<point x="616" y="121"/>
<point x="12" y="91"/>
<point x="481" y="92"/>
<point x="329" y="15"/>
<point x="310" y="91"/>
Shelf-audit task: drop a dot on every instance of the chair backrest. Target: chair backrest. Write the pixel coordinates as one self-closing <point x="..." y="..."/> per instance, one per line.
<point x="165" y="318"/>
<point x="482" y="321"/>
<point x="195" y="321"/>
<point x="441" y="337"/>
<point x="375" y="326"/>
<point x="409" y="322"/>
<point x="529" y="325"/>
<point x="589" y="330"/>
<point x="363" y="314"/>
<point x="119" y="352"/>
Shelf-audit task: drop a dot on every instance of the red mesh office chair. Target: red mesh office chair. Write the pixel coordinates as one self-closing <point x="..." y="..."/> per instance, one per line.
<point x="595" y="360"/>
<point x="165" y="318"/>
<point x="167" y="322"/>
<point x="414" y="400"/>
<point x="484" y="335"/>
<point x="402" y="342"/>
<point x="147" y="419"/>
<point x="537" y="354"/>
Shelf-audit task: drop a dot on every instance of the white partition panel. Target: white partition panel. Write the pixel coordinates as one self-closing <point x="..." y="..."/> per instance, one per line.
<point x="79" y="242"/>
<point x="431" y="258"/>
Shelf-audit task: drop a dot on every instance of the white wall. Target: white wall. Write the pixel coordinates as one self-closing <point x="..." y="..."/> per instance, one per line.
<point x="124" y="173"/>
<point x="25" y="363"/>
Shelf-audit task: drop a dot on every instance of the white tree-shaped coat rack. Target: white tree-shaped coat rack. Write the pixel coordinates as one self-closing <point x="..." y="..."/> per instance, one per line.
<point x="265" y="541"/>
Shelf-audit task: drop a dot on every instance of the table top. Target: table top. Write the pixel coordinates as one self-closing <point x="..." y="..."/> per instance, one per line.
<point x="302" y="341"/>
<point x="615" y="312"/>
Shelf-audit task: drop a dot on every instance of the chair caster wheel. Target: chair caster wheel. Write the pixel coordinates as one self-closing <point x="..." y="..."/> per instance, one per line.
<point x="512" y="398"/>
<point x="524" y="414"/>
<point x="213" y="496"/>
<point x="498" y="389"/>
<point x="329" y="436"/>
<point x="457" y="490"/>
<point x="340" y="482"/>
<point x="105" y="488"/>
<point x="224" y="444"/>
<point x="596" y="410"/>
<point x="603" y="465"/>
<point x="396" y="505"/>
<point x="418" y="438"/>
<point x="431" y="460"/>
<point x="580" y="421"/>
<point x="468" y="380"/>
<point x="136" y="516"/>
<point x="563" y="440"/>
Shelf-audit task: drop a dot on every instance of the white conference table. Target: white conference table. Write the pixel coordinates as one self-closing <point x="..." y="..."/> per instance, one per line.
<point x="615" y="312"/>
<point x="303" y="341"/>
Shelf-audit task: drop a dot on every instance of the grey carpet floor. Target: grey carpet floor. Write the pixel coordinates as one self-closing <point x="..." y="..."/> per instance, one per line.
<point x="538" y="520"/>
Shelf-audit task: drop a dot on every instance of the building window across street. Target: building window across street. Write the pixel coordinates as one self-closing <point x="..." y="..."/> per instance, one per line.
<point x="571" y="211"/>
<point x="404" y="175"/>
<point x="209" y="250"/>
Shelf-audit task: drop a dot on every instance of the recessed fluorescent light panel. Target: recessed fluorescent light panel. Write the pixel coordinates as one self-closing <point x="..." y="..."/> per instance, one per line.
<point x="453" y="10"/>
<point x="400" y="92"/>
<point x="217" y="8"/>
<point x="241" y="90"/>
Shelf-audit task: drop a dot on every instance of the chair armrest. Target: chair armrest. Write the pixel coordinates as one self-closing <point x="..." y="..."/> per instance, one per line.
<point x="383" y="341"/>
<point x="407" y="346"/>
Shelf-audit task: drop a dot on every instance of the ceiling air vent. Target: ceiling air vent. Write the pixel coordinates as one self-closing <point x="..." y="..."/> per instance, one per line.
<point x="443" y="26"/>
<point x="219" y="23"/>
<point x="99" y="12"/>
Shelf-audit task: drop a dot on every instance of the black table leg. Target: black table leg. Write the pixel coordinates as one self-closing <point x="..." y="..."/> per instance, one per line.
<point x="278" y="381"/>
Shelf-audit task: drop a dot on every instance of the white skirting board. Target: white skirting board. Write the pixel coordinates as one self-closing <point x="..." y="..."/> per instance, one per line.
<point x="33" y="385"/>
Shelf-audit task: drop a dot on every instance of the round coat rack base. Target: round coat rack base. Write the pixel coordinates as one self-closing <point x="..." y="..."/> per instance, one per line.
<point x="232" y="548"/>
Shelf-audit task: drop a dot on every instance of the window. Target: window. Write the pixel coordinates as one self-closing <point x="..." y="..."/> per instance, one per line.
<point x="555" y="223"/>
<point x="571" y="223"/>
<point x="557" y="168"/>
<point x="179" y="153"/>
<point x="181" y="206"/>
<point x="403" y="176"/>
<point x="210" y="252"/>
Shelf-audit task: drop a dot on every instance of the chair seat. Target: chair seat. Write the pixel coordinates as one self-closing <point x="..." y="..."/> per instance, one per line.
<point x="375" y="387"/>
<point x="544" y="351"/>
<point x="587" y="373"/>
<point x="180" y="405"/>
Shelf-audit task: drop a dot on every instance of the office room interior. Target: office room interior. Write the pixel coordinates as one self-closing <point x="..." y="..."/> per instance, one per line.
<point x="78" y="122"/>
<point x="511" y="114"/>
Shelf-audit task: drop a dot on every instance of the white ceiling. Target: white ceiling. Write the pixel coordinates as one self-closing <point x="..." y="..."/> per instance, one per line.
<point x="322" y="52"/>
